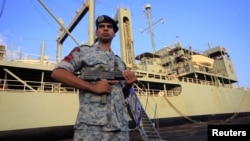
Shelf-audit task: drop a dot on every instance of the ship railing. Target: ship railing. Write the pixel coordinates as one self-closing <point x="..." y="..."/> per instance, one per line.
<point x="18" y="55"/>
<point x="153" y="75"/>
<point x="171" y="77"/>
<point x="159" y="76"/>
<point x="34" y="86"/>
<point x="197" y="81"/>
<point x="156" y="92"/>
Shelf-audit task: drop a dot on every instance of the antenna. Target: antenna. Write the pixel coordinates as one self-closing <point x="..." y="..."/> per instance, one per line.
<point x="208" y="45"/>
<point x="148" y="10"/>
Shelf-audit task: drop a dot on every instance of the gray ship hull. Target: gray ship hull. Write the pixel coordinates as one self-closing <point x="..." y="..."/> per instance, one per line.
<point x="23" y="113"/>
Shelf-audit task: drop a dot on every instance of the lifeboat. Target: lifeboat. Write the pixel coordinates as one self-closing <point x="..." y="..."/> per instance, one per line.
<point x="203" y="61"/>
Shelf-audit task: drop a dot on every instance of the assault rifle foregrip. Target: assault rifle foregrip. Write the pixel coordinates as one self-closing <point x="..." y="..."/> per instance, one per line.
<point x="92" y="75"/>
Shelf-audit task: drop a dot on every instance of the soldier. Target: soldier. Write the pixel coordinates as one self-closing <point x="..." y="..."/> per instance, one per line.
<point x="98" y="120"/>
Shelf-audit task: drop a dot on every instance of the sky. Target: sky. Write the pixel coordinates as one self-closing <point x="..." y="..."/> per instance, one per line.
<point x="25" y="25"/>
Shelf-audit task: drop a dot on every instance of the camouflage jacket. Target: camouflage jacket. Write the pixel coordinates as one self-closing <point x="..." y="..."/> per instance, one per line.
<point x="92" y="114"/>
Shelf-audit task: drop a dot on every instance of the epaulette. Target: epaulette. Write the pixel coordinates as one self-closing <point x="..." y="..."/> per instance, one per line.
<point x="117" y="55"/>
<point x="85" y="45"/>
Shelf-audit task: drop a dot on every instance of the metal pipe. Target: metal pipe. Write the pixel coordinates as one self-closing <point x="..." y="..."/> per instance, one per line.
<point x="58" y="22"/>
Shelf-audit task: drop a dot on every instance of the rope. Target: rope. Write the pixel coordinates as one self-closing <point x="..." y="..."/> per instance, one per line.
<point x="178" y="111"/>
<point x="236" y="113"/>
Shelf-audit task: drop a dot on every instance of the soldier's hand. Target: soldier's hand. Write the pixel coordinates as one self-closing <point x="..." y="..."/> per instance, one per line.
<point x="129" y="77"/>
<point x="102" y="87"/>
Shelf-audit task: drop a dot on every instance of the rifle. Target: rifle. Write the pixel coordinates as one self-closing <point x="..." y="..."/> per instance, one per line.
<point x="94" y="75"/>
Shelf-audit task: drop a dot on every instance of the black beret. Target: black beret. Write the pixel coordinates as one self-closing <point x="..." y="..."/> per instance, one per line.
<point x="106" y="19"/>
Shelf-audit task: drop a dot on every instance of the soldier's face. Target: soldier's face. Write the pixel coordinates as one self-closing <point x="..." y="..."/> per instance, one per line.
<point x="105" y="31"/>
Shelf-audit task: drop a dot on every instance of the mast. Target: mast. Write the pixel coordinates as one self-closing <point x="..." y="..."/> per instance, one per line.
<point x="148" y="10"/>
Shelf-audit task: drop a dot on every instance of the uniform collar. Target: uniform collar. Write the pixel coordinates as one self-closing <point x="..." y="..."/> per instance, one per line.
<point x="100" y="48"/>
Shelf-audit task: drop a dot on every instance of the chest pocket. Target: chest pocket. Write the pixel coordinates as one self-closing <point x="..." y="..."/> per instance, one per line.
<point x="98" y="60"/>
<point x="99" y="64"/>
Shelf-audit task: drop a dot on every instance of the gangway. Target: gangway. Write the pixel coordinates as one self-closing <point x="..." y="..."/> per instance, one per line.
<point x="143" y="123"/>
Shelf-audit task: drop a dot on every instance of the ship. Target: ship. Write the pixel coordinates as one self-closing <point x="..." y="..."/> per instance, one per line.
<point x="176" y="85"/>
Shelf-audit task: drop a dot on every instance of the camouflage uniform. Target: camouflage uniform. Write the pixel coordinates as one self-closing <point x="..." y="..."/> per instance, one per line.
<point x="95" y="120"/>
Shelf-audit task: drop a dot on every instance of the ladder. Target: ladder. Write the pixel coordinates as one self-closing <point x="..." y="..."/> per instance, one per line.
<point x="146" y="128"/>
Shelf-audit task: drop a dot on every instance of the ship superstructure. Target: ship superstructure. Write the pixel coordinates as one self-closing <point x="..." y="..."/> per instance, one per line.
<point x="182" y="84"/>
